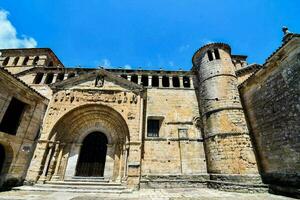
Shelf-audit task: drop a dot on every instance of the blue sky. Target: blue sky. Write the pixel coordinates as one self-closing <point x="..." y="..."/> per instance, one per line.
<point x="147" y="34"/>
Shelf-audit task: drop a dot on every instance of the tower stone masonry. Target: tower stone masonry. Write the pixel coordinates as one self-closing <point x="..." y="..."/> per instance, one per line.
<point x="229" y="152"/>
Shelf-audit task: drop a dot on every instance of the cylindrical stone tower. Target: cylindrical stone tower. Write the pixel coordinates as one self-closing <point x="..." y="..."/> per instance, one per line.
<point x="230" y="156"/>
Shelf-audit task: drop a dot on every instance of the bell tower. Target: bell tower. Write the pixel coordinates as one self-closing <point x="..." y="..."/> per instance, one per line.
<point x="230" y="155"/>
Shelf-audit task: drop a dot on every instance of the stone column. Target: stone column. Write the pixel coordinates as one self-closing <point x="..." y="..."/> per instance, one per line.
<point x="43" y="177"/>
<point x="150" y="81"/>
<point x="55" y="174"/>
<point x="191" y="82"/>
<point x="44" y="78"/>
<point x="129" y="77"/>
<point x="109" y="162"/>
<point x="181" y="81"/>
<point x="139" y="79"/>
<point x="171" y="81"/>
<point x="72" y="161"/>
<point x="54" y="78"/>
<point x="159" y="81"/>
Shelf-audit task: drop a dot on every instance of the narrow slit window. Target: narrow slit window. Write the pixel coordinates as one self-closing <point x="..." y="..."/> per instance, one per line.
<point x="49" y="78"/>
<point x="134" y="78"/>
<point x="124" y="76"/>
<point x="217" y="54"/>
<point x="38" y="78"/>
<point x="186" y="82"/>
<point x="35" y="60"/>
<point x="70" y="75"/>
<point x="155" y="81"/>
<point x="153" y="128"/>
<point x="5" y="62"/>
<point x="145" y="80"/>
<point x="12" y="117"/>
<point x="25" y="61"/>
<point x="165" y="81"/>
<point x="210" y="56"/>
<point x="176" y="82"/>
<point x="60" y="77"/>
<point x="16" y="60"/>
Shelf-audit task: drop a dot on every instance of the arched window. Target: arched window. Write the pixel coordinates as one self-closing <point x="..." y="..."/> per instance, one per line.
<point x="217" y="54"/>
<point x="38" y="78"/>
<point x="155" y="81"/>
<point x="35" y="60"/>
<point x="16" y="60"/>
<point x="5" y="62"/>
<point x="25" y="61"/>
<point x="165" y="81"/>
<point x="50" y="64"/>
<point x="124" y="76"/>
<point x="60" y="77"/>
<point x="70" y="75"/>
<point x="175" y="80"/>
<point x="144" y="80"/>
<point x="186" y="82"/>
<point x="134" y="78"/>
<point x="49" y="78"/>
<point x="210" y="56"/>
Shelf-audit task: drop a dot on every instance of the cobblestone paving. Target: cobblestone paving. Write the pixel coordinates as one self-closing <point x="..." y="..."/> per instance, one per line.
<point x="172" y="194"/>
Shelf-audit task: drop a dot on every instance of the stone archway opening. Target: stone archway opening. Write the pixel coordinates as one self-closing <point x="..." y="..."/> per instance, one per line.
<point x="92" y="157"/>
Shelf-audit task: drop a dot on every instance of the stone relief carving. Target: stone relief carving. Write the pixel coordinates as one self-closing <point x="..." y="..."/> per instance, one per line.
<point x="130" y="116"/>
<point x="99" y="82"/>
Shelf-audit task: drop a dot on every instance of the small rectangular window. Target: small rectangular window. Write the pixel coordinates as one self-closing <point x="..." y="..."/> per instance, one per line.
<point x="153" y="128"/>
<point x="12" y="117"/>
<point x="217" y="54"/>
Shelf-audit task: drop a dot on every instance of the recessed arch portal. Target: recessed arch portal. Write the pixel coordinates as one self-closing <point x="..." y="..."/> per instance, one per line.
<point x="71" y="133"/>
<point x="92" y="157"/>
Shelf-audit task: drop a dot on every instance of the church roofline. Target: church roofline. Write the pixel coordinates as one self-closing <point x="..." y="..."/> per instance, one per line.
<point x="5" y="71"/>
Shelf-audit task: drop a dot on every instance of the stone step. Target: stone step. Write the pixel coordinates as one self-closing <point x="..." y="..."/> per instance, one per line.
<point x="71" y="186"/>
<point x="77" y="190"/>
<point x="85" y="182"/>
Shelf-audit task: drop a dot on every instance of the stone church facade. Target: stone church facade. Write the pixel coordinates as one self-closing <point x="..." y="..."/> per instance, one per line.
<point x="218" y="125"/>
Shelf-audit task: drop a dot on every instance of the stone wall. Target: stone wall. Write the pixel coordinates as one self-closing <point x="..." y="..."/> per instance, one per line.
<point x="19" y="147"/>
<point x="271" y="98"/>
<point x="178" y="151"/>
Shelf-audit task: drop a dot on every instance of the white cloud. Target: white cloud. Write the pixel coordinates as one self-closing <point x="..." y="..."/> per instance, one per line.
<point x="206" y="41"/>
<point x="8" y="35"/>
<point x="105" y="62"/>
<point x="127" y="66"/>
<point x="171" y="64"/>
<point x="184" y="48"/>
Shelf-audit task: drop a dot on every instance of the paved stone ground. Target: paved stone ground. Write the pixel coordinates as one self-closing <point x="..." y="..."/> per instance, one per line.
<point x="145" y="194"/>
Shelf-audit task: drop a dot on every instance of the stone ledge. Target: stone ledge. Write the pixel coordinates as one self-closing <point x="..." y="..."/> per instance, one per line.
<point x="237" y="187"/>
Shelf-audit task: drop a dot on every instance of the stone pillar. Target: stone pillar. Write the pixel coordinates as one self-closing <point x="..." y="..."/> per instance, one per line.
<point x="54" y="78"/>
<point x="44" y="78"/>
<point x="191" y="82"/>
<point x="159" y="81"/>
<point x="230" y="155"/>
<point x="129" y="77"/>
<point x="139" y="79"/>
<point x="72" y="161"/>
<point x="170" y="81"/>
<point x="181" y="81"/>
<point x="150" y="81"/>
<point x="43" y="177"/>
<point x="109" y="162"/>
<point x="58" y="162"/>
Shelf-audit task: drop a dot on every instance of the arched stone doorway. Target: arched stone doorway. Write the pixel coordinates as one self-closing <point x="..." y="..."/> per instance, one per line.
<point x="64" y="143"/>
<point x="92" y="157"/>
<point x="2" y="158"/>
